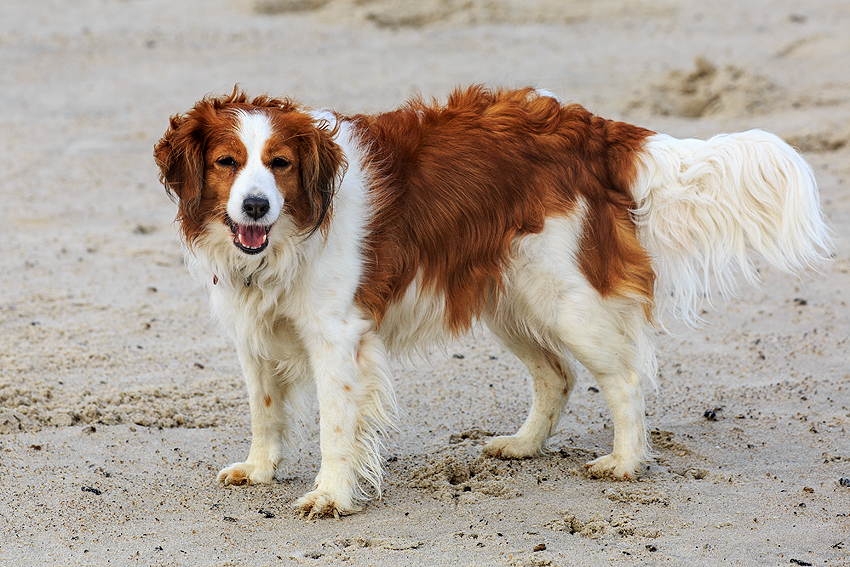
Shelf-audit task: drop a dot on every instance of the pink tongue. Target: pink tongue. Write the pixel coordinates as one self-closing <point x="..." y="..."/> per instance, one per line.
<point x="252" y="236"/>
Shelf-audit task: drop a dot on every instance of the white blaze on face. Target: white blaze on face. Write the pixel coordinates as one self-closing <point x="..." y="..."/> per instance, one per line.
<point x="255" y="179"/>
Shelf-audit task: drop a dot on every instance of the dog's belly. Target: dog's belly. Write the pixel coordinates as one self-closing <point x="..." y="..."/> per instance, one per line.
<point x="416" y="321"/>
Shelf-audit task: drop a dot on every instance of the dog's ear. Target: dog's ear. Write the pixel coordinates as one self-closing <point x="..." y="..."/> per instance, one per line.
<point x="180" y="158"/>
<point x="322" y="167"/>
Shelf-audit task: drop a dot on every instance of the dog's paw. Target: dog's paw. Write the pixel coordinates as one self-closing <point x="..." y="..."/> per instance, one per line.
<point x="323" y="503"/>
<point x="615" y="467"/>
<point x="245" y="473"/>
<point x="511" y="447"/>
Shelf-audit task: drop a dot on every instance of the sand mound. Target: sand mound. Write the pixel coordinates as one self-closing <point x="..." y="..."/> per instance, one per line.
<point x="821" y="140"/>
<point x="598" y="527"/>
<point x="709" y="90"/>
<point x="452" y="476"/>
<point x="404" y="14"/>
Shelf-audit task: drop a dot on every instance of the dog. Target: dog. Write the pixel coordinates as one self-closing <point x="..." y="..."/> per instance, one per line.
<point x="330" y="243"/>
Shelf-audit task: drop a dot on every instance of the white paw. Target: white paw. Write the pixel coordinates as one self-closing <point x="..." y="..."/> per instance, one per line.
<point x="511" y="447"/>
<point x="246" y="473"/>
<point x="614" y="466"/>
<point x="323" y="503"/>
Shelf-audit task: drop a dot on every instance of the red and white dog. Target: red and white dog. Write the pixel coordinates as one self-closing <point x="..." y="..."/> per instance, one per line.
<point x="330" y="242"/>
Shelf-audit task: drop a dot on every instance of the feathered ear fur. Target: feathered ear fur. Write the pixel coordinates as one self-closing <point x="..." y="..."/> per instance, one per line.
<point x="322" y="166"/>
<point x="180" y="158"/>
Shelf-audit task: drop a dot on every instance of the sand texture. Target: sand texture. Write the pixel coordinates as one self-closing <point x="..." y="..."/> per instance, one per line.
<point x="120" y="400"/>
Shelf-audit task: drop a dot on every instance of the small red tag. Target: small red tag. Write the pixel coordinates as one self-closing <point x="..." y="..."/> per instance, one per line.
<point x="215" y="279"/>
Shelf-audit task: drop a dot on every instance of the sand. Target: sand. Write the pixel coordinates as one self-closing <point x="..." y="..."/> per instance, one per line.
<point x="120" y="400"/>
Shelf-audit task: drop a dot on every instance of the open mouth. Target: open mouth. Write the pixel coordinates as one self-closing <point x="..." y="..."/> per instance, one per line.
<point x="250" y="238"/>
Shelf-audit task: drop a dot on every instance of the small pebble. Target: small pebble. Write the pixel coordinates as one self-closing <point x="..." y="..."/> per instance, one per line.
<point x="540" y="547"/>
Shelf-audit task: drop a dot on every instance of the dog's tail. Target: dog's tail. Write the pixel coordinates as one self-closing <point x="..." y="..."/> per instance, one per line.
<point x="703" y="205"/>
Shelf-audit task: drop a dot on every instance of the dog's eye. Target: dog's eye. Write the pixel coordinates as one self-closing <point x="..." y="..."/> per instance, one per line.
<point x="280" y="162"/>
<point x="226" y="161"/>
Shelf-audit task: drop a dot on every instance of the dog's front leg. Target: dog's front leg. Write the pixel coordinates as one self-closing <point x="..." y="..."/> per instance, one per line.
<point x="355" y="403"/>
<point x="271" y="422"/>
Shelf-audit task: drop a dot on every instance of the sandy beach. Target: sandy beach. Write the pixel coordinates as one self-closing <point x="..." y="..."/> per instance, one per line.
<point x="120" y="400"/>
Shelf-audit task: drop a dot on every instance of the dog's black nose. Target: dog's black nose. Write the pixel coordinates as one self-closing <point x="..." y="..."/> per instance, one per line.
<point x="255" y="207"/>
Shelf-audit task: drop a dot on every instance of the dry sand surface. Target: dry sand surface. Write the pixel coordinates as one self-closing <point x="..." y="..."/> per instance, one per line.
<point x="119" y="400"/>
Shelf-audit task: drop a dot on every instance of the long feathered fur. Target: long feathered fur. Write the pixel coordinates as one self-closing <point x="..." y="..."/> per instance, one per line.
<point x="702" y="206"/>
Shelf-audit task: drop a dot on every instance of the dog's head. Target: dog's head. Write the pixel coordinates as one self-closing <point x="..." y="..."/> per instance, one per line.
<point x="249" y="166"/>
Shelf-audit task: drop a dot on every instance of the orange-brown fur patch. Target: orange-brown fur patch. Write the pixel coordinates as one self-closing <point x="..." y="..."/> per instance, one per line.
<point x="455" y="184"/>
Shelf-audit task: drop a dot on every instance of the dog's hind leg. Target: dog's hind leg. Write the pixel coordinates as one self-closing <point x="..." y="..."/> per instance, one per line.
<point x="547" y="309"/>
<point x="552" y="381"/>
<point x="608" y="338"/>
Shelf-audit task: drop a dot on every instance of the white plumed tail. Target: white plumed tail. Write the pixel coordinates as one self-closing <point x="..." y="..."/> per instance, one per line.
<point x="702" y="205"/>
